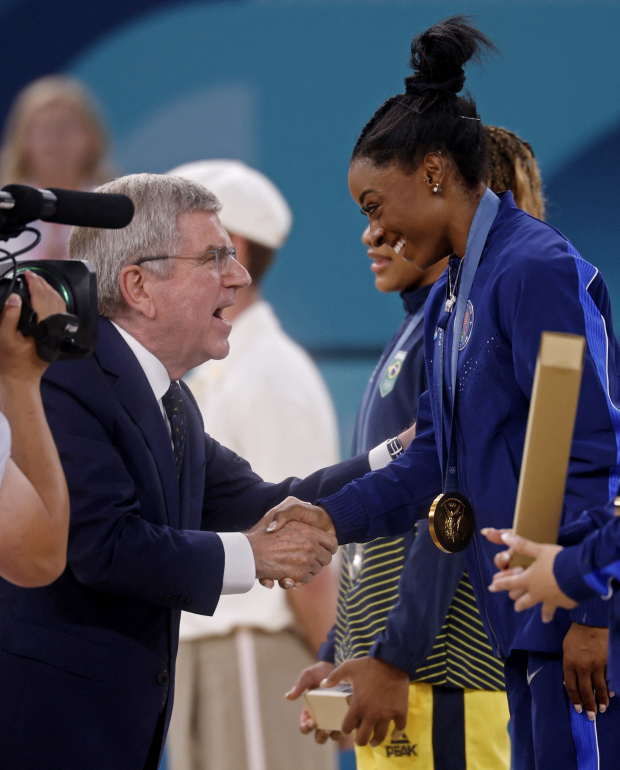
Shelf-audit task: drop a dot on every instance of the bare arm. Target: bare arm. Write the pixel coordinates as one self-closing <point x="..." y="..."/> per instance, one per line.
<point x="34" y="501"/>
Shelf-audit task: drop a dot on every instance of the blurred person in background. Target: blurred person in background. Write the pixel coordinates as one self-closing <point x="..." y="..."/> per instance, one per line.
<point x="239" y="661"/>
<point x="54" y="137"/>
<point x="406" y="609"/>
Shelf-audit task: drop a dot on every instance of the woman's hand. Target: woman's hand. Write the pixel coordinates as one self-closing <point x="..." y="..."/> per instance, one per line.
<point x="496" y="536"/>
<point x="537" y="583"/>
<point x="585" y="668"/>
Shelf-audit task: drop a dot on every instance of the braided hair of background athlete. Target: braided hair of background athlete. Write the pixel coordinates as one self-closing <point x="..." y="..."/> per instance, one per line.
<point x="512" y="166"/>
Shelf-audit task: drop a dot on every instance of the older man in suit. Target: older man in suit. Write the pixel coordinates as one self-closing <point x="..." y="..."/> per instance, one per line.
<point x="87" y="663"/>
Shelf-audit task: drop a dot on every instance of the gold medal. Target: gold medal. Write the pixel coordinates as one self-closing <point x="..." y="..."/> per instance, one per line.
<point x="451" y="522"/>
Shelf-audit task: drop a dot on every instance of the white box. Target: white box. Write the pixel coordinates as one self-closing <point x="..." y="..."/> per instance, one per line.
<point x="328" y="706"/>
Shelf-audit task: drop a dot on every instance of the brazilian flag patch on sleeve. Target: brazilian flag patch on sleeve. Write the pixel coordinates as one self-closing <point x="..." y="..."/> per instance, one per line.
<point x="386" y="386"/>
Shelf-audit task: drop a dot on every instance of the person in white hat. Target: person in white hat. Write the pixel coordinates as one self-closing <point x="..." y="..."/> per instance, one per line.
<point x="233" y="668"/>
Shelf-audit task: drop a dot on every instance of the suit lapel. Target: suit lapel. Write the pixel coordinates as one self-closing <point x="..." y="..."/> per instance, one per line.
<point x="134" y="392"/>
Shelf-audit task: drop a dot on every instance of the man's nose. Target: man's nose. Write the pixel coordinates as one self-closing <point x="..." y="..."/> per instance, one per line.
<point x="237" y="276"/>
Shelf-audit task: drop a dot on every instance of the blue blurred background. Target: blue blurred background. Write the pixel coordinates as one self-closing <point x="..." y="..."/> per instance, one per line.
<point x="286" y="85"/>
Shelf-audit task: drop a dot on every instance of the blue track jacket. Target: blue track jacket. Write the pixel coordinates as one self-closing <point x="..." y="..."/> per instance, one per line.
<point x="591" y="568"/>
<point x="530" y="280"/>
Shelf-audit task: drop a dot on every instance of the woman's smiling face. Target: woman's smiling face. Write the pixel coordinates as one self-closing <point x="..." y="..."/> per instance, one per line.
<point x="402" y="209"/>
<point x="392" y="272"/>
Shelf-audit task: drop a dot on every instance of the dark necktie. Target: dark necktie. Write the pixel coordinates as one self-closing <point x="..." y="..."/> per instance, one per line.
<point x="173" y="404"/>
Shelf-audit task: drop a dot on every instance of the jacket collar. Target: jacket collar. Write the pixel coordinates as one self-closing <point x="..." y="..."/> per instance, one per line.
<point x="507" y="213"/>
<point x="413" y="299"/>
<point x="132" y="388"/>
<point x="155" y="371"/>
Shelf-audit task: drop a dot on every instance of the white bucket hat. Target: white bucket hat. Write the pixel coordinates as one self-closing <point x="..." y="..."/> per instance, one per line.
<point x="252" y="206"/>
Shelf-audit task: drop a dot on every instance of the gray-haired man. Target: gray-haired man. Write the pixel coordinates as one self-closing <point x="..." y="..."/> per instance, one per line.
<point x="90" y="659"/>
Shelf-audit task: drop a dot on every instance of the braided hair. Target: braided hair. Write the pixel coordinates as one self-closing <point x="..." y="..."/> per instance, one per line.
<point x="512" y="166"/>
<point x="430" y="116"/>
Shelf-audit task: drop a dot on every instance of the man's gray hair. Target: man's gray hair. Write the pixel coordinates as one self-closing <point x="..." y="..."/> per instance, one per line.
<point x="159" y="202"/>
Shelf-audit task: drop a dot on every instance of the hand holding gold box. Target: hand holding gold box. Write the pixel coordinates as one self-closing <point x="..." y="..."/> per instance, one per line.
<point x="548" y="439"/>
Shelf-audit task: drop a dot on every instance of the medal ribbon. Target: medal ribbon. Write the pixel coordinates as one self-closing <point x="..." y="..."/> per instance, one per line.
<point x="478" y="232"/>
<point x="370" y="394"/>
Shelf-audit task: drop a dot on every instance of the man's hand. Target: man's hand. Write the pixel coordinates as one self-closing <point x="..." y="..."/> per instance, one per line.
<point x="585" y="665"/>
<point x="537" y="583"/>
<point x="293" y="555"/>
<point x="18" y="355"/>
<point x="309" y="679"/>
<point x="380" y="695"/>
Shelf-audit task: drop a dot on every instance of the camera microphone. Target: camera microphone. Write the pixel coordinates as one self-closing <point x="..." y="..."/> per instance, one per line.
<point x="72" y="334"/>
<point x="21" y="204"/>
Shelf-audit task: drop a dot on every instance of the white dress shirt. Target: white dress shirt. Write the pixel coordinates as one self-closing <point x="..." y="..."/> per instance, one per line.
<point x="239" y="565"/>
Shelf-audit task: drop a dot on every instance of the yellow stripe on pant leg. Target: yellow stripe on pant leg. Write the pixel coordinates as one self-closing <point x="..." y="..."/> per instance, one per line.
<point x="487" y="743"/>
<point x="415" y="748"/>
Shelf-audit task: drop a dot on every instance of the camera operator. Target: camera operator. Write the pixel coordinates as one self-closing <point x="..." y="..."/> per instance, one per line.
<point x="34" y="501"/>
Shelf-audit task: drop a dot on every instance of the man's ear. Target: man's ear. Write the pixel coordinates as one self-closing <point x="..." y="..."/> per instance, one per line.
<point x="136" y="287"/>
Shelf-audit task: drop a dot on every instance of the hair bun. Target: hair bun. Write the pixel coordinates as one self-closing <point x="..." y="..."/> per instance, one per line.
<point x="416" y="84"/>
<point x="439" y="54"/>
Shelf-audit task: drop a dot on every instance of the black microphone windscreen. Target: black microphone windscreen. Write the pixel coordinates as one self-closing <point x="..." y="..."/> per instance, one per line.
<point x="86" y="209"/>
<point x="29" y="203"/>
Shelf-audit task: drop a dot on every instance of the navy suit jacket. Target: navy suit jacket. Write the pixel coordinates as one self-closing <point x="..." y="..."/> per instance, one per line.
<point x="87" y="663"/>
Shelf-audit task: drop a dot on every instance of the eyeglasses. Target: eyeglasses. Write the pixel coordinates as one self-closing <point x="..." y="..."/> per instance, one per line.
<point x="214" y="258"/>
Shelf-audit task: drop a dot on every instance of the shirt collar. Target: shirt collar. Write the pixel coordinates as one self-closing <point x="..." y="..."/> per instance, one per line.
<point x="153" y="368"/>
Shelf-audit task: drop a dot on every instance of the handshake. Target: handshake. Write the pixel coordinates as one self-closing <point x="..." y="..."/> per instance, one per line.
<point x="292" y="543"/>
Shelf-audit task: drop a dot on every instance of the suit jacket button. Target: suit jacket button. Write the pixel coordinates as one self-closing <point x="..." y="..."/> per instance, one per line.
<point x="163" y="678"/>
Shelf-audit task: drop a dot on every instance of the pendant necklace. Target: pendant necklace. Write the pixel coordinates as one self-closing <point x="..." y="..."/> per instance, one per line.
<point x="451" y="298"/>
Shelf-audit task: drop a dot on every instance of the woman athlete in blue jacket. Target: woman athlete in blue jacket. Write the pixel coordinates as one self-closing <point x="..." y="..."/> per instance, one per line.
<point x="417" y="617"/>
<point x="418" y="172"/>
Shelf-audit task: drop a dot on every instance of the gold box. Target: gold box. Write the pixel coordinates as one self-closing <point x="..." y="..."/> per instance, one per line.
<point x="548" y="439"/>
<point x="328" y="706"/>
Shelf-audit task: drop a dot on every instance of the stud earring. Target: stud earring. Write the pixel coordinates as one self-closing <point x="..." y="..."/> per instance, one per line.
<point x="436" y="188"/>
